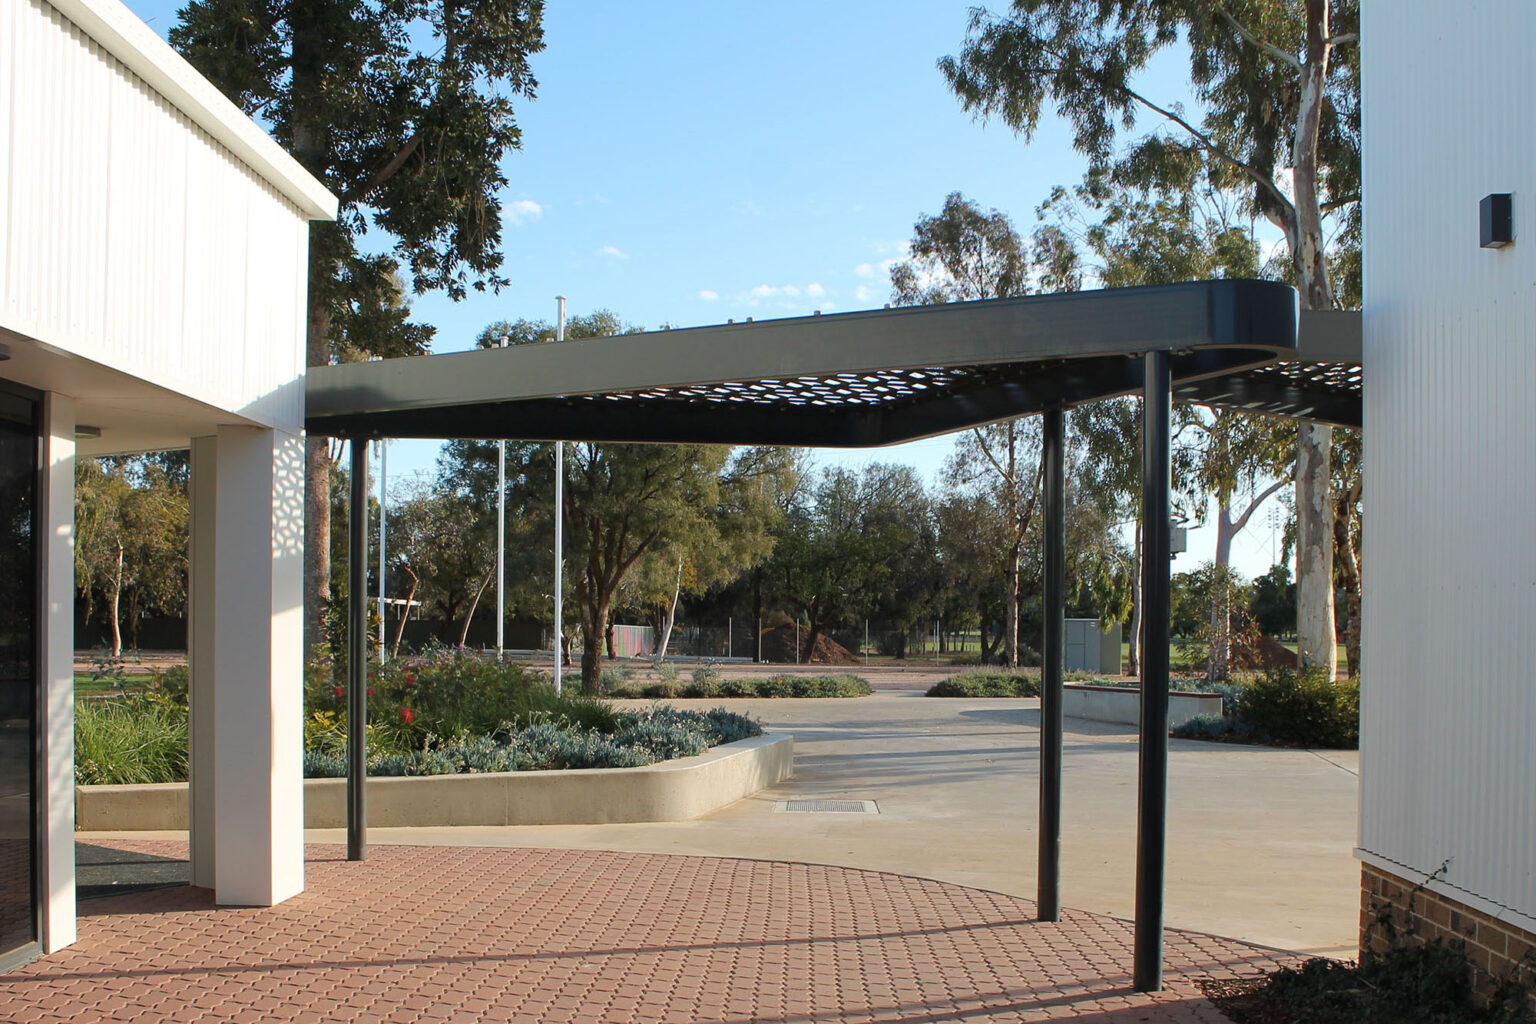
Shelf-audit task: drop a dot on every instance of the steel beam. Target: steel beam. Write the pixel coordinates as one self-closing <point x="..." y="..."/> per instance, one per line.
<point x="357" y="655"/>
<point x="1152" y="815"/>
<point x="1048" y="897"/>
<point x="1187" y="317"/>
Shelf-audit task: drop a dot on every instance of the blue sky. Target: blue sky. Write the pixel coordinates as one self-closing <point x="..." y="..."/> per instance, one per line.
<point x="689" y="162"/>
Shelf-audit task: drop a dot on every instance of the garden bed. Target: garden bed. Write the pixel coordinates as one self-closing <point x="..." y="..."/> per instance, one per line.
<point x="675" y="790"/>
<point x="707" y="683"/>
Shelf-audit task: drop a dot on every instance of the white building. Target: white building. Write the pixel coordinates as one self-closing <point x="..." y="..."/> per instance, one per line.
<point x="153" y="257"/>
<point x="1448" y="743"/>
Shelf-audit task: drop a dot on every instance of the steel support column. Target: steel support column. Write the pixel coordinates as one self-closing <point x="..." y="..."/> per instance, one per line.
<point x="357" y="654"/>
<point x="1152" y="817"/>
<point x="1048" y="897"/>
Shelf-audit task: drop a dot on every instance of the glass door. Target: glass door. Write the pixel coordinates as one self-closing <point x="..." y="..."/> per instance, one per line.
<point x="19" y="611"/>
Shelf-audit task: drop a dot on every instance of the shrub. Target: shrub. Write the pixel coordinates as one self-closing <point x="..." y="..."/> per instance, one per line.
<point x="615" y="677"/>
<point x="642" y="737"/>
<point x="446" y="695"/>
<point x="139" y="738"/>
<point x="984" y="683"/>
<point x="1302" y="709"/>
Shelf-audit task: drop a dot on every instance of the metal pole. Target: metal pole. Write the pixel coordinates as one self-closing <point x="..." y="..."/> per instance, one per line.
<point x="1152" y="817"/>
<point x="866" y="641"/>
<point x="357" y="655"/>
<point x="383" y="479"/>
<point x="1048" y="880"/>
<point x="730" y="623"/>
<point x="501" y="547"/>
<point x="559" y="520"/>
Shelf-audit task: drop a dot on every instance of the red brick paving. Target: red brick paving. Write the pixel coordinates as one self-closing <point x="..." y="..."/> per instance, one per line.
<point x="439" y="934"/>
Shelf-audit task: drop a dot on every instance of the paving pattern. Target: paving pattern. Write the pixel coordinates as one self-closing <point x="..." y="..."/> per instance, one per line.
<point x="450" y="934"/>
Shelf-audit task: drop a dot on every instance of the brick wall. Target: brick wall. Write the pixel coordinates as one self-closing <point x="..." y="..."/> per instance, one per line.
<point x="1497" y="949"/>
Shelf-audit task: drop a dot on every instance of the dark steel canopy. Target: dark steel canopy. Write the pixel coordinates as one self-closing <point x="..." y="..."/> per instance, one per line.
<point x="883" y="377"/>
<point x="864" y="379"/>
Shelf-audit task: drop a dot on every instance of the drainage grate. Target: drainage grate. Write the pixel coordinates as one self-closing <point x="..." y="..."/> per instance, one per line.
<point x="825" y="807"/>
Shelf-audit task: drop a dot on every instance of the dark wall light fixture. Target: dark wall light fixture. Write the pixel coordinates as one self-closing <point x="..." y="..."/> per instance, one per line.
<point x="1496" y="214"/>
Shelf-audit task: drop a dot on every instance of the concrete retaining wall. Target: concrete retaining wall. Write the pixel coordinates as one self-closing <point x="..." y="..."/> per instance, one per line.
<point x="669" y="791"/>
<point x="1117" y="704"/>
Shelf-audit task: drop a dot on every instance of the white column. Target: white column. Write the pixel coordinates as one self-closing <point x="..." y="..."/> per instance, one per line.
<point x="56" y="718"/>
<point x="200" y="657"/>
<point x="257" y="610"/>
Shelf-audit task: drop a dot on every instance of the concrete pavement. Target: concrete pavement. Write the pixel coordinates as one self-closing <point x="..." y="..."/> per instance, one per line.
<point x="1259" y="839"/>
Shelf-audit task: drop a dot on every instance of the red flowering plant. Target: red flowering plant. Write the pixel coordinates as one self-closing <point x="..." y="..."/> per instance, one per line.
<point x="443" y="696"/>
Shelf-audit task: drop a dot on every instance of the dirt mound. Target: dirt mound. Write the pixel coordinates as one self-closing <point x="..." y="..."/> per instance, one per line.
<point x="779" y="646"/>
<point x="1261" y="652"/>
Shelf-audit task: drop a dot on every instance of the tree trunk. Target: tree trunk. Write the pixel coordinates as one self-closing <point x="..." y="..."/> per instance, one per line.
<point x="405" y="614"/>
<point x="317" y="542"/>
<point x="117" y="592"/>
<point x="1011" y="612"/>
<point x="1315" y="633"/>
<point x="1133" y="657"/>
<point x="990" y="640"/>
<point x="594" y="616"/>
<point x="311" y="147"/>
<point x="1217" y="659"/>
<point x="813" y="633"/>
<point x="1347" y="561"/>
<point x="469" y="616"/>
<point x="669" y="620"/>
<point x="1316" y="637"/>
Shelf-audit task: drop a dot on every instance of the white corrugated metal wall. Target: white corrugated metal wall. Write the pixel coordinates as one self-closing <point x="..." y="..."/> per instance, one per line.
<point x="179" y="261"/>
<point x="1448" y="747"/>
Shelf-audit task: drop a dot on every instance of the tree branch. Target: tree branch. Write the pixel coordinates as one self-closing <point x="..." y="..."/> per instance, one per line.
<point x="1242" y="520"/>
<point x="985" y="450"/>
<point x="1210" y="145"/>
<point x="1269" y="48"/>
<point x="383" y="174"/>
<point x="1343" y="37"/>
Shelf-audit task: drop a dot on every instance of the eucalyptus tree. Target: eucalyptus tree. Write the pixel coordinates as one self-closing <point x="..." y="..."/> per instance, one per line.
<point x="964" y="254"/>
<point x="404" y="110"/>
<point x="858" y="544"/>
<point x="131" y="521"/>
<point x="626" y="507"/>
<point x="1279" y="83"/>
<point x="1182" y="227"/>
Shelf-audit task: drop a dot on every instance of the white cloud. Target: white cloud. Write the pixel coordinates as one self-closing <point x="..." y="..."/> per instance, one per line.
<point x="769" y="291"/>
<point x="708" y="296"/>
<point x="614" y="251"/>
<point x="790" y="298"/>
<point x="870" y="271"/>
<point x="864" y="293"/>
<point x="521" y="211"/>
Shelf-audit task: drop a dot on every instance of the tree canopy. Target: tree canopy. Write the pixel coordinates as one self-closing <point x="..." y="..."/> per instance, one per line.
<point x="404" y="110"/>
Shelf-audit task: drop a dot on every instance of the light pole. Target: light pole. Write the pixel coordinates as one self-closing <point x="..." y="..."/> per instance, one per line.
<point x="559" y="518"/>
<point x="501" y="536"/>
<point x="383" y="471"/>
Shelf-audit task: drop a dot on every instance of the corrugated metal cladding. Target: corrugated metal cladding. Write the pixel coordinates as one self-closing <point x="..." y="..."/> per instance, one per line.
<point x="132" y="238"/>
<point x="1448" y="751"/>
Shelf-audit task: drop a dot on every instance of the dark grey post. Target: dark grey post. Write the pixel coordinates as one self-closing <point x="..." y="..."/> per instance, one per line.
<point x="357" y="654"/>
<point x="1048" y="896"/>
<point x="1152" y="818"/>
